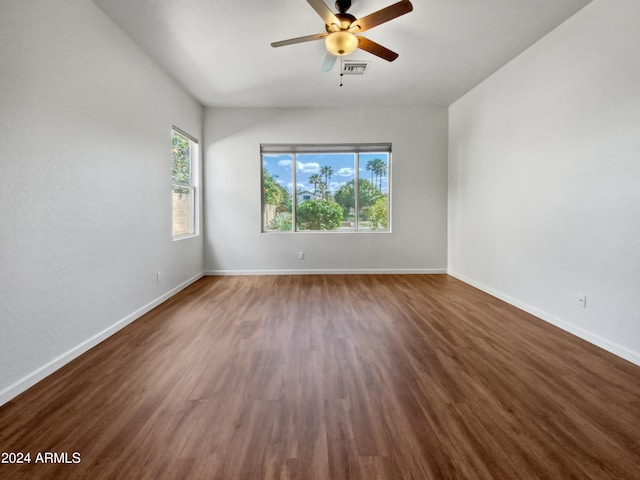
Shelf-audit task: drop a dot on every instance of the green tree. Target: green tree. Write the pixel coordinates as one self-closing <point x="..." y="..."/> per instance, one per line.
<point x="181" y="149"/>
<point x="318" y="215"/>
<point x="379" y="214"/>
<point x="367" y="194"/>
<point x="285" y="205"/>
<point x="274" y="193"/>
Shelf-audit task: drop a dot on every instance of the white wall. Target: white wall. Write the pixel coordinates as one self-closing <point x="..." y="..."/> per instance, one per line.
<point x="85" y="191"/>
<point x="233" y="240"/>
<point x="544" y="178"/>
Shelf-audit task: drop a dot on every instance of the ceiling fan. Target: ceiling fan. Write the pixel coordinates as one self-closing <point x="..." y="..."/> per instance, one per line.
<point x="343" y="30"/>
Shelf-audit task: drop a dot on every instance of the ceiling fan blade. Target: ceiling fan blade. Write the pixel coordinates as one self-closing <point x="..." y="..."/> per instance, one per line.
<point x="381" y="16"/>
<point x="327" y="15"/>
<point x="376" y="49"/>
<point x="293" y="41"/>
<point x="329" y="62"/>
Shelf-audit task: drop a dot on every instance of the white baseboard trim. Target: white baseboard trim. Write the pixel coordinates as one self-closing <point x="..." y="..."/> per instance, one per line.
<point x="329" y="271"/>
<point x="608" y="345"/>
<point x="34" y="377"/>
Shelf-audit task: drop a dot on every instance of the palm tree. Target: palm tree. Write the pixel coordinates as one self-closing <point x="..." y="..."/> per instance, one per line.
<point x="370" y="169"/>
<point x="383" y="172"/>
<point x="327" y="171"/>
<point x="322" y="188"/>
<point x="379" y="168"/>
<point x="314" y="180"/>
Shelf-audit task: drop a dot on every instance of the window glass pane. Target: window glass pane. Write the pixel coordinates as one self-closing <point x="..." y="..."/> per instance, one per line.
<point x="321" y="179"/>
<point x="181" y="159"/>
<point x="373" y="191"/>
<point x="277" y="185"/>
<point x="182" y="211"/>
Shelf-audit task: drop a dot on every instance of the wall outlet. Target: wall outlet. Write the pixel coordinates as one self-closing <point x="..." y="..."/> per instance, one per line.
<point x="158" y="277"/>
<point x="582" y="300"/>
<point x="300" y="255"/>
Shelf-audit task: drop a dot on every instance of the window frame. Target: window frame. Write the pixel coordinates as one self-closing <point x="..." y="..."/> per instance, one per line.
<point x="343" y="148"/>
<point x="191" y="186"/>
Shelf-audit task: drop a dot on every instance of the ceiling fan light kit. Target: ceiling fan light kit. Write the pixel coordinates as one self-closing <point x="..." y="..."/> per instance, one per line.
<point x="341" y="43"/>
<point x="343" y="29"/>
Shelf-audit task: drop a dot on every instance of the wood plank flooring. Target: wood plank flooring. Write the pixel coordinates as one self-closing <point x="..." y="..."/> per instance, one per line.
<point x="333" y="377"/>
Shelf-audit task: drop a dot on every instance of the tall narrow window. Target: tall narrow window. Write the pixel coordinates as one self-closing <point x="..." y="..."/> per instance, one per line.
<point x="185" y="155"/>
<point x="342" y="188"/>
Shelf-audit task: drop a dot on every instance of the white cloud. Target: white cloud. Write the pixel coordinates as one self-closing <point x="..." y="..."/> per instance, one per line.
<point x="311" y="167"/>
<point x="284" y="163"/>
<point x="345" y="172"/>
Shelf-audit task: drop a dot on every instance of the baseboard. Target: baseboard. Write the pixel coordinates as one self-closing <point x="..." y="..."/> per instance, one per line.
<point x="329" y="271"/>
<point x="34" y="377"/>
<point x="608" y="345"/>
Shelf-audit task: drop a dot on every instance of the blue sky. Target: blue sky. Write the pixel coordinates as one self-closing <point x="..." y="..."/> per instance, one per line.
<point x="310" y="163"/>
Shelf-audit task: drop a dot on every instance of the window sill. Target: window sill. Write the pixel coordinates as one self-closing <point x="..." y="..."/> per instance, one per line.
<point x="327" y="232"/>
<point x="185" y="237"/>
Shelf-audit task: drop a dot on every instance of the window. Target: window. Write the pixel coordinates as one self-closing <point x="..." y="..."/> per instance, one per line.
<point x="185" y="157"/>
<point x="340" y="188"/>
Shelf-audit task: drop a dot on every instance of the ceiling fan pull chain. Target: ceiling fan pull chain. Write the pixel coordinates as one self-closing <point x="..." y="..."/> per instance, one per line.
<point x="341" y="70"/>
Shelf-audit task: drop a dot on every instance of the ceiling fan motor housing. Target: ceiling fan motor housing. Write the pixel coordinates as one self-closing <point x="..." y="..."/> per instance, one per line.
<point x="346" y="20"/>
<point x="343" y="5"/>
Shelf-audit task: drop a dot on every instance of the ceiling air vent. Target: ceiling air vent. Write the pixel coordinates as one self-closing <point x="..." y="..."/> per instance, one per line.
<point x="352" y="67"/>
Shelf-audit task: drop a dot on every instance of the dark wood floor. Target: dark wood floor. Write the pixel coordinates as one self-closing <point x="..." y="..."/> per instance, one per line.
<point x="333" y="377"/>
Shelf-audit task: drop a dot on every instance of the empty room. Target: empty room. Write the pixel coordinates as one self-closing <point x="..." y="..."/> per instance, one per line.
<point x="310" y="239"/>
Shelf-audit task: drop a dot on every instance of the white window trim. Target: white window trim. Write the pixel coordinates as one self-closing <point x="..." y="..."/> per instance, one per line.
<point x="193" y="186"/>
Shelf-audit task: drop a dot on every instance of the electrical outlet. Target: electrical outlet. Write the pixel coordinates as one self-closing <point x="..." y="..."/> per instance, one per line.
<point x="300" y="255"/>
<point x="158" y="277"/>
<point x="582" y="300"/>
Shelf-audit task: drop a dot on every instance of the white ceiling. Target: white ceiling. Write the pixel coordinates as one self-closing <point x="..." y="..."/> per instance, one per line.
<point x="220" y="50"/>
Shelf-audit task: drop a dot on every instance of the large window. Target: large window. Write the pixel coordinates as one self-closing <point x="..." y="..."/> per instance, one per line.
<point x="185" y="156"/>
<point x="340" y="188"/>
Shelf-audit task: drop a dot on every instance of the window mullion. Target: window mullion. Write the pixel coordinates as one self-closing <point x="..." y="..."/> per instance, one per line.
<point x="294" y="193"/>
<point x="356" y="180"/>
